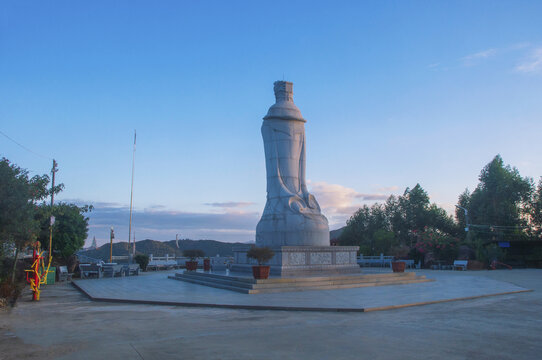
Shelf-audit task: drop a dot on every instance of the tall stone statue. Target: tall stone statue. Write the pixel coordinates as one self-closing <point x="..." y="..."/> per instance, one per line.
<point x="291" y="216"/>
<point x="292" y="224"/>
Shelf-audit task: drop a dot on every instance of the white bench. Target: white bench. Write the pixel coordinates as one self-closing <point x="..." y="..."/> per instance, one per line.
<point x="461" y="264"/>
<point x="161" y="264"/>
<point x="131" y="269"/>
<point x="382" y="261"/>
<point x="112" y="270"/>
<point x="219" y="263"/>
<point x="63" y="274"/>
<point x="90" y="269"/>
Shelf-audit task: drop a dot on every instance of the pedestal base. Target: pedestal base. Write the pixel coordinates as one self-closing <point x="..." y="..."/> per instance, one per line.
<point x="303" y="260"/>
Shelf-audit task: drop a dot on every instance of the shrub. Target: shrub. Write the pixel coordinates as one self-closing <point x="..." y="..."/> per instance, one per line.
<point x="260" y="254"/>
<point x="443" y="246"/>
<point x="142" y="260"/>
<point x="193" y="254"/>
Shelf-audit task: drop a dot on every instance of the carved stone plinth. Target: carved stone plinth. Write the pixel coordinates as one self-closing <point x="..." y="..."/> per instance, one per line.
<point x="303" y="260"/>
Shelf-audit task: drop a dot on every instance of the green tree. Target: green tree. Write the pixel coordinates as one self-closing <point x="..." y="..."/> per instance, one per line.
<point x="501" y="202"/>
<point x="19" y="194"/>
<point x="414" y="206"/>
<point x="142" y="260"/>
<point x="70" y="229"/>
<point x="417" y="213"/>
<point x="536" y="211"/>
<point x="464" y="203"/>
<point x="383" y="241"/>
<point x="395" y="224"/>
<point x="361" y="227"/>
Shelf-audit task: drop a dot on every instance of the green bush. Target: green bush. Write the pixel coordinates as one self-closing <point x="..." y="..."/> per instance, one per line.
<point x="260" y="254"/>
<point x="193" y="254"/>
<point x="142" y="260"/>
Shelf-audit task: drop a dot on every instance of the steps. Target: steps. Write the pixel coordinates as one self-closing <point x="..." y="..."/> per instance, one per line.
<point x="248" y="285"/>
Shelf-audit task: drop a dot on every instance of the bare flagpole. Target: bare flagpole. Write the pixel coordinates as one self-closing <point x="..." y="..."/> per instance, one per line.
<point x="131" y="200"/>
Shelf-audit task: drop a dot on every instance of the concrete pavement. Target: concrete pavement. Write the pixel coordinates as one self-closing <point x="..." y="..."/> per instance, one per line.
<point x="65" y="324"/>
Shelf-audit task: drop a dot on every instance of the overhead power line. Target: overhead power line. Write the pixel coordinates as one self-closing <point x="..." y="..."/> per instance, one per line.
<point x="24" y="147"/>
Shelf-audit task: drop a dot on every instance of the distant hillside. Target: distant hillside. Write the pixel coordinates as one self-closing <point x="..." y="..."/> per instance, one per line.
<point x="161" y="248"/>
<point x="334" y="234"/>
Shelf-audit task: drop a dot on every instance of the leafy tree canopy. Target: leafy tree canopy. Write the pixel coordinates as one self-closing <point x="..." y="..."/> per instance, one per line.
<point x="18" y="195"/>
<point x="536" y="211"/>
<point x="70" y="229"/>
<point x="501" y="203"/>
<point x="382" y="227"/>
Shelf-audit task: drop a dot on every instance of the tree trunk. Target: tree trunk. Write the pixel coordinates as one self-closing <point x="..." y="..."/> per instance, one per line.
<point x="14" y="269"/>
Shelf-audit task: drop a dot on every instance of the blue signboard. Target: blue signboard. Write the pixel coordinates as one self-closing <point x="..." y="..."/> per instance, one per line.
<point x="504" y="244"/>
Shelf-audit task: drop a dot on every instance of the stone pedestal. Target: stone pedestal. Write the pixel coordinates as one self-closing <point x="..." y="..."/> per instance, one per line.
<point x="303" y="260"/>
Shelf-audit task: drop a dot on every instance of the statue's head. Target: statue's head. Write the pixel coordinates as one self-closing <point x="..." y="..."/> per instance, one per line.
<point x="284" y="91"/>
<point x="284" y="107"/>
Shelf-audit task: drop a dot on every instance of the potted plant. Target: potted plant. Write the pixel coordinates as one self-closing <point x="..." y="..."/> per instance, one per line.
<point x="399" y="252"/>
<point x="193" y="254"/>
<point x="398" y="266"/>
<point x="261" y="255"/>
<point x="206" y="264"/>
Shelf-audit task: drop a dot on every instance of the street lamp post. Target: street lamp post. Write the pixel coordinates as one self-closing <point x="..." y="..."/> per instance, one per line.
<point x="466" y="217"/>
<point x="467" y="224"/>
<point x="111" y="237"/>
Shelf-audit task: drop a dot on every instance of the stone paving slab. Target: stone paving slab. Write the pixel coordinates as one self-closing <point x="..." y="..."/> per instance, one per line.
<point x="156" y="288"/>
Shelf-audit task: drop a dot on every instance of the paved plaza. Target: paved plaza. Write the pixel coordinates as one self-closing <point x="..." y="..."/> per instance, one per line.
<point x="66" y="324"/>
<point x="156" y="288"/>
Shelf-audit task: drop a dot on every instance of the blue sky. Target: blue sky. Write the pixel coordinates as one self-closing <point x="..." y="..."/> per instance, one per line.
<point x="395" y="93"/>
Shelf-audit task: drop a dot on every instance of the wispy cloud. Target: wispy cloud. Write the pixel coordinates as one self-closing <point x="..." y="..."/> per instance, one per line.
<point x="230" y="204"/>
<point x="164" y="224"/>
<point x="339" y="202"/>
<point x="533" y="62"/>
<point x="475" y="58"/>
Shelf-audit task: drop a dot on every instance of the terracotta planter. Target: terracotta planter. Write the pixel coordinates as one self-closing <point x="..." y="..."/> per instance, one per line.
<point x="191" y="265"/>
<point x="398" y="266"/>
<point x="206" y="264"/>
<point x="260" y="272"/>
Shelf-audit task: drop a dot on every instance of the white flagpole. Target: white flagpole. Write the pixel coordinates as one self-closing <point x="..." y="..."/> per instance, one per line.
<point x="131" y="200"/>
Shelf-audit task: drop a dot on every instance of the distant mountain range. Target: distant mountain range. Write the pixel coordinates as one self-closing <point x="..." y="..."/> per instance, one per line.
<point x="161" y="248"/>
<point x="334" y="234"/>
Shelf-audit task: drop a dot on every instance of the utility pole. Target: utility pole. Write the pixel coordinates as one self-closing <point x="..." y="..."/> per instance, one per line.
<point x="131" y="198"/>
<point x="467" y="224"/>
<point x="52" y="220"/>
<point x="111" y="237"/>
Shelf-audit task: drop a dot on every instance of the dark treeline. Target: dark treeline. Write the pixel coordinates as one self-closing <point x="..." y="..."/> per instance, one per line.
<point x="503" y="207"/>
